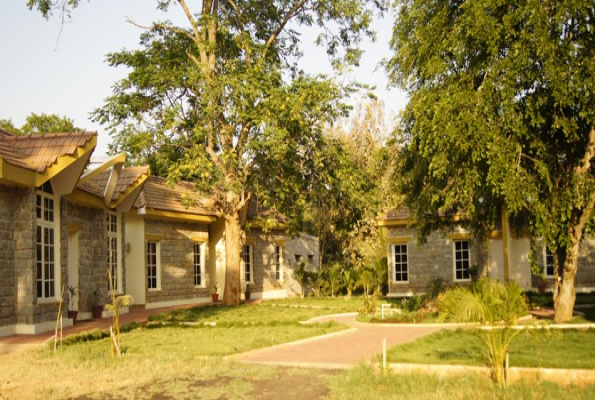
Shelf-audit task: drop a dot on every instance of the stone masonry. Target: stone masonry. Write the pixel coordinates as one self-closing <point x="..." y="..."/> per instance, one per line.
<point x="177" y="253"/>
<point x="8" y="287"/>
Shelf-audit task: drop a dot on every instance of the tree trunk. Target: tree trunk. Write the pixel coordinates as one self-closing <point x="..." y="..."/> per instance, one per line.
<point x="564" y="293"/>
<point x="233" y="250"/>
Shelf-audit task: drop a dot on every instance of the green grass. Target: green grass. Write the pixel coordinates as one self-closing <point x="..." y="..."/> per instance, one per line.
<point x="587" y="318"/>
<point x="399" y="318"/>
<point x="277" y="311"/>
<point x="546" y="299"/>
<point x="574" y="349"/>
<point x="365" y="383"/>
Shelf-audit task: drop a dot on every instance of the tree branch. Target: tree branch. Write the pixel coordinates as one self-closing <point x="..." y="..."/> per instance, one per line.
<point x="280" y="28"/>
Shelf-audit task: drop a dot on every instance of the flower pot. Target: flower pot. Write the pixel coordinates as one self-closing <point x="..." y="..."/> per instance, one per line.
<point x="97" y="310"/>
<point x="72" y="315"/>
<point x="215" y="297"/>
<point x="247" y="295"/>
<point x="542" y="287"/>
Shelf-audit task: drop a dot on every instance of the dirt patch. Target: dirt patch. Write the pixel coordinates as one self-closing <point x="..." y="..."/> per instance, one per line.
<point x="289" y="385"/>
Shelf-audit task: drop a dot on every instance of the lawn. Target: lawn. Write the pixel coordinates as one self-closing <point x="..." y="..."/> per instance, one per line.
<point x="546" y="299"/>
<point x="186" y="362"/>
<point x="573" y="349"/>
<point x="271" y="311"/>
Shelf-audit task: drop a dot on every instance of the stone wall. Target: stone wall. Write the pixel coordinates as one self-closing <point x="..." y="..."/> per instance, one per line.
<point x="585" y="276"/>
<point x="432" y="260"/>
<point x="24" y="236"/>
<point x="8" y="286"/>
<point x="92" y="241"/>
<point x="305" y="248"/>
<point x="264" y="260"/>
<point x="177" y="252"/>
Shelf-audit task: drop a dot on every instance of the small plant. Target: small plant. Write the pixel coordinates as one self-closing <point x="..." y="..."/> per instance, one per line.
<point x="215" y="288"/>
<point x="369" y="306"/>
<point x="116" y="306"/>
<point x="72" y="293"/>
<point x="491" y="303"/>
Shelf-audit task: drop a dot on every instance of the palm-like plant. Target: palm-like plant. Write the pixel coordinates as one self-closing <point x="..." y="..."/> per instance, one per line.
<point x="375" y="260"/>
<point x="116" y="306"/>
<point x="350" y="280"/>
<point x="496" y="307"/>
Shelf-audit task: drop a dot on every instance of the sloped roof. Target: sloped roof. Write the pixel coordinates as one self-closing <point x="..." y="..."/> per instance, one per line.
<point x="256" y="211"/>
<point x="128" y="177"/>
<point x="158" y="195"/>
<point x="38" y="152"/>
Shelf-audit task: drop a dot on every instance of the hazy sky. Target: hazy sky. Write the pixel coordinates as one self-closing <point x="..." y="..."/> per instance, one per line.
<point x="43" y="70"/>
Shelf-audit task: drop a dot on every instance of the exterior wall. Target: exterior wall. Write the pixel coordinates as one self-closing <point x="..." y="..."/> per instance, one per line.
<point x="585" y="276"/>
<point x="306" y="248"/>
<point x="432" y="260"/>
<point x="216" y="261"/>
<point x="176" y="242"/>
<point x="92" y="262"/>
<point x="265" y="283"/>
<point x="135" y="259"/>
<point x="8" y="287"/>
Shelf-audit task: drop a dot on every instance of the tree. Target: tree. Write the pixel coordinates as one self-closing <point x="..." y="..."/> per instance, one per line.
<point x="224" y="104"/>
<point x="36" y="124"/>
<point x="500" y="119"/>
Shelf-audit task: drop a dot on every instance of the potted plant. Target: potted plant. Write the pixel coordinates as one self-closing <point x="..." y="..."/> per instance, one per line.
<point x="247" y="292"/>
<point x="72" y="293"/>
<point x="214" y="293"/>
<point x="97" y="306"/>
<point x="542" y="286"/>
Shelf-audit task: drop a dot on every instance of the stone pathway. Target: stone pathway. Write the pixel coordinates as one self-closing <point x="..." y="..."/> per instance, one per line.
<point x="339" y="350"/>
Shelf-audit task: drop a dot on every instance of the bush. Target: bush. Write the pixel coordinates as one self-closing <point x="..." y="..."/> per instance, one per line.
<point x="369" y="306"/>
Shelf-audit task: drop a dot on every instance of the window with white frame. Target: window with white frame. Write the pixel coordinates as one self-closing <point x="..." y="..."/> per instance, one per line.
<point x="278" y="258"/>
<point x="247" y="258"/>
<point x="400" y="263"/>
<point x="153" y="265"/>
<point x="549" y="262"/>
<point x="112" y="251"/>
<point x="461" y="260"/>
<point x="46" y="240"/>
<point x="198" y="275"/>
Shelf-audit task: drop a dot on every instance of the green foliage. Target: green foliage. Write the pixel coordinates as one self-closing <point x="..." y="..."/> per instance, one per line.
<point x="500" y="113"/>
<point x="36" y="124"/>
<point x="369" y="306"/>
<point x="491" y="303"/>
<point x="413" y="303"/>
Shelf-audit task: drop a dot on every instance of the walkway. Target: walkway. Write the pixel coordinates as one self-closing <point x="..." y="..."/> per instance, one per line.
<point x="339" y="350"/>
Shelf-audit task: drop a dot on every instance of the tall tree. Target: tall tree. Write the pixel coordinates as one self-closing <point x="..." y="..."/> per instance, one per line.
<point x="501" y="117"/>
<point x="36" y="124"/>
<point x="223" y="103"/>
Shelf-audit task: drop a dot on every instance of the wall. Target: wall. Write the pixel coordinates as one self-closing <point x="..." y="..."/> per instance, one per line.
<point x="264" y="263"/>
<point x="177" y="251"/>
<point x="8" y="287"/>
<point x="432" y="260"/>
<point x="92" y="240"/>
<point x="303" y="246"/>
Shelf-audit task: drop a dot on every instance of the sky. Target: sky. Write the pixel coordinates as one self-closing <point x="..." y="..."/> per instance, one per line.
<point x="60" y="69"/>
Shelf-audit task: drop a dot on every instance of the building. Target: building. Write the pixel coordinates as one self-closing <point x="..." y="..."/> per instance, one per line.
<point x="62" y="225"/>
<point x="455" y="257"/>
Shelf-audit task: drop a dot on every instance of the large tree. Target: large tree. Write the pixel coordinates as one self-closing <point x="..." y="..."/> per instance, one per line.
<point x="501" y="118"/>
<point x="221" y="101"/>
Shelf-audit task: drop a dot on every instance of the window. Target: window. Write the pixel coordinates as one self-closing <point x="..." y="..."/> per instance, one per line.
<point x="311" y="259"/>
<point x="247" y="260"/>
<point x="153" y="280"/>
<point x="461" y="248"/>
<point x="298" y="259"/>
<point x="197" y="265"/>
<point x="400" y="263"/>
<point x="46" y="239"/>
<point x="550" y="265"/>
<point x="112" y="251"/>
<point x="278" y="274"/>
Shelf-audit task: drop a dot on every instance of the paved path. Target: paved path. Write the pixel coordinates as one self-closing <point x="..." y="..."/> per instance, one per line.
<point x="340" y="350"/>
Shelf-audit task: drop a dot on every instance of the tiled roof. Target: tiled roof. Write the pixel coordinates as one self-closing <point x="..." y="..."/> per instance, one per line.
<point x="158" y="195"/>
<point x="257" y="211"/>
<point x="128" y="176"/>
<point x="38" y="152"/>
